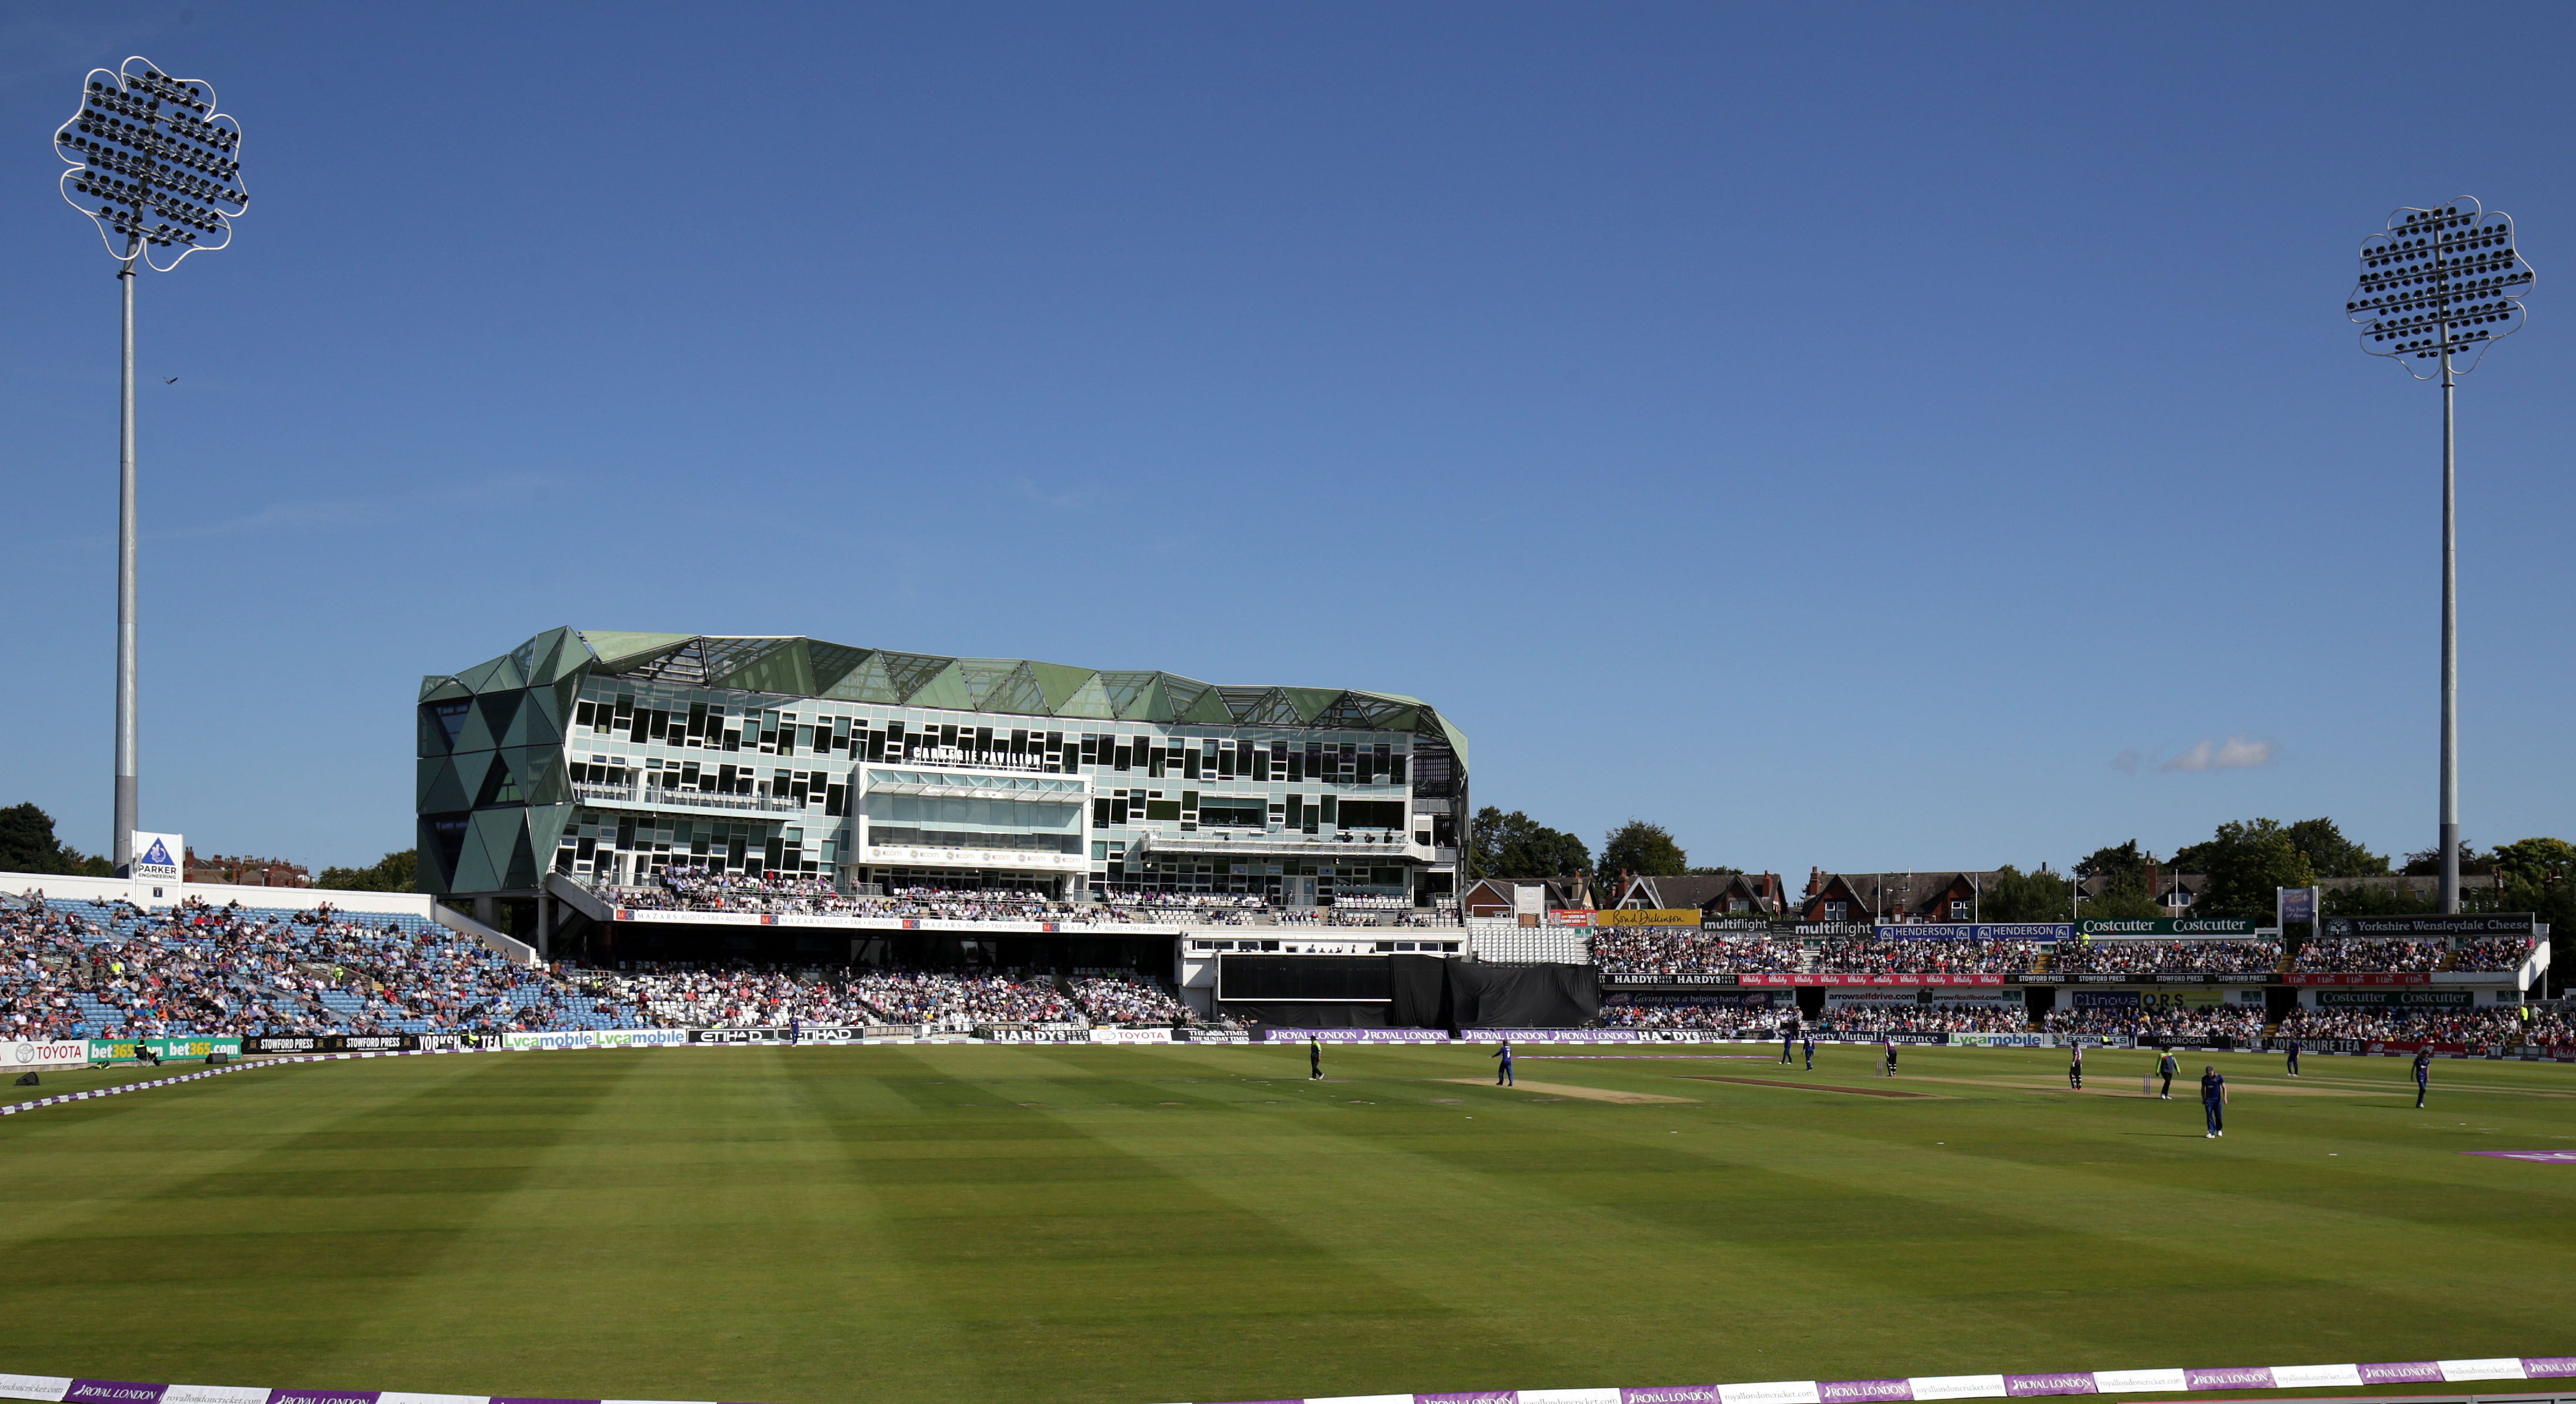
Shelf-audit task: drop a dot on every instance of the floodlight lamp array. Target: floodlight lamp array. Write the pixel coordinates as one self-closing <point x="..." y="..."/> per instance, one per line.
<point x="152" y="163"/>
<point x="2440" y="283"/>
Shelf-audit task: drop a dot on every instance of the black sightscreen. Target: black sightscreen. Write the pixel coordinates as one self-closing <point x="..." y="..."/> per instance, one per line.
<point x="1287" y="977"/>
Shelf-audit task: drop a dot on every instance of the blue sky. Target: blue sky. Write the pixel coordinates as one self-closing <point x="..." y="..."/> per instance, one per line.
<point x="1864" y="436"/>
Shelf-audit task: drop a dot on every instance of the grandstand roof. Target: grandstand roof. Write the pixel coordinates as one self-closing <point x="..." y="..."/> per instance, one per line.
<point x="792" y="665"/>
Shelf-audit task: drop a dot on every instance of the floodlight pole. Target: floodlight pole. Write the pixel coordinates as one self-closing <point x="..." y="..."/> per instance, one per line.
<point x="126" y="803"/>
<point x="2435" y="282"/>
<point x="2450" y="645"/>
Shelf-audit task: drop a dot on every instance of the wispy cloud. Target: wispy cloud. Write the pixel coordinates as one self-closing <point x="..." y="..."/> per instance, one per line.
<point x="2237" y="752"/>
<point x="340" y="513"/>
<point x="55" y="50"/>
<point x="1065" y="500"/>
<point x="2126" y="762"/>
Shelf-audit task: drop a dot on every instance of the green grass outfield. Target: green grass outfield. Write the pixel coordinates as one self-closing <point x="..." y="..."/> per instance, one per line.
<point x="1126" y="1226"/>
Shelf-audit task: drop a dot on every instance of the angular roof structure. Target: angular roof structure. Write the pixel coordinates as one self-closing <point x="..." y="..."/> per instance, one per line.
<point x="796" y="666"/>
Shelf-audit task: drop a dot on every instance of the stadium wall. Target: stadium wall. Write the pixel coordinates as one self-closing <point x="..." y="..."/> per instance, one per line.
<point x="155" y="896"/>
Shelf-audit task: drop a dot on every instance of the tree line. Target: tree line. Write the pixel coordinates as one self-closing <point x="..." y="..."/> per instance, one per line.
<point x="28" y="845"/>
<point x="2243" y="861"/>
<point x="1515" y="846"/>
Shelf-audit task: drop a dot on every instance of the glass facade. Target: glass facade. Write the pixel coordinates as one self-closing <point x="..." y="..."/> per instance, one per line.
<point x="613" y="755"/>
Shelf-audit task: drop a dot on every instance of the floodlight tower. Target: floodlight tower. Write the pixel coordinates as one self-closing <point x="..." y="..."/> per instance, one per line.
<point x="157" y="168"/>
<point x="2438" y="286"/>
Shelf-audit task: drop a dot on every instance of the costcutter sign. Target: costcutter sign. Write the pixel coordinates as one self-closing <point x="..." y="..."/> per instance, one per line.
<point x="2171" y="926"/>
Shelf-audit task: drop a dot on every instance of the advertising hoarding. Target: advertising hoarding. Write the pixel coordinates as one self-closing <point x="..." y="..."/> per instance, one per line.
<point x="159" y="857"/>
<point x="1973" y="930"/>
<point x="2171" y="926"/>
<point x="35" y="1055"/>
<point x="1649" y="916"/>
<point x="2432" y="927"/>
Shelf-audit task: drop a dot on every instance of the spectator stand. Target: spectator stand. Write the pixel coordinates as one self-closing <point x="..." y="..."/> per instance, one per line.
<point x="1756" y="1014"/>
<point x="99" y="967"/>
<point x="2167" y="959"/>
<point x="1827" y="955"/>
<point x="699" y="896"/>
<point x="2482" y="949"/>
<point x="1859" y="1016"/>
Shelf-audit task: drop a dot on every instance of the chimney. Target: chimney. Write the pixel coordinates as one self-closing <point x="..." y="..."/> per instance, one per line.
<point x="1815" y="880"/>
<point x="2155" y="887"/>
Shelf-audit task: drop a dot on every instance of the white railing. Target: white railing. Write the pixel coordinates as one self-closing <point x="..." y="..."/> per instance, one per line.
<point x="675" y="797"/>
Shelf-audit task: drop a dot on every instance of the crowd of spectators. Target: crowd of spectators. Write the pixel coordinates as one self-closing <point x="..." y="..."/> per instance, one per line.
<point x="955" y="1001"/>
<point x="100" y="970"/>
<point x="1940" y="1016"/>
<point x="2492" y="1024"/>
<point x="699" y="889"/>
<point x="747" y="996"/>
<point x="1700" y="1015"/>
<point x="2492" y="953"/>
<point x="1938" y="955"/>
<point x="1120" y="998"/>
<point x="2551" y="1024"/>
<point x="110" y="970"/>
<point x="2359" y="953"/>
<point x="2240" y="1022"/>
<point x="1344" y="914"/>
<point x="1634" y="953"/>
<point x="2166" y="958"/>
<point x="732" y="997"/>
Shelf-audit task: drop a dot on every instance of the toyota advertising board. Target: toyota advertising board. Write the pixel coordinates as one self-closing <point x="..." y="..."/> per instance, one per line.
<point x="30" y="1055"/>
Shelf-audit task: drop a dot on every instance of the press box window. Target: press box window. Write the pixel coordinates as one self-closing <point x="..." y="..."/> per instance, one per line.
<point x="1223" y="812"/>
